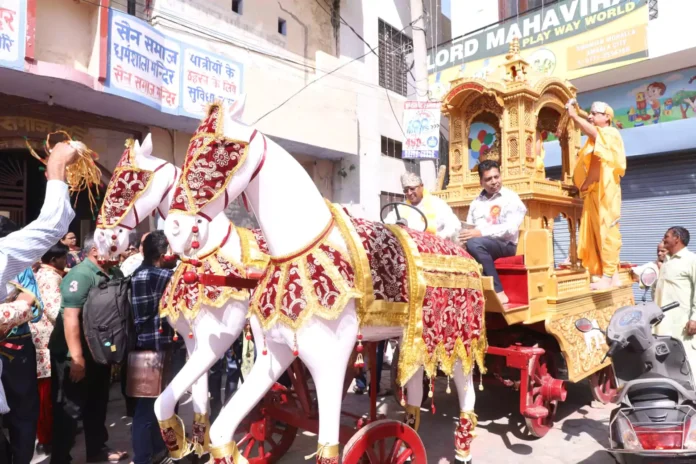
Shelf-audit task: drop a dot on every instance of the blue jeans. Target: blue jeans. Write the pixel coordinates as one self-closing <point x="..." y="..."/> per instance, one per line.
<point x="146" y="439"/>
<point x="360" y="379"/>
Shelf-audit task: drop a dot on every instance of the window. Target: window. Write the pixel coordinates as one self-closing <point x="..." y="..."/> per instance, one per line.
<point x="510" y="8"/>
<point x="282" y="26"/>
<point x="131" y="7"/>
<point x="394" y="46"/>
<point x="237" y="6"/>
<point x="391" y="148"/>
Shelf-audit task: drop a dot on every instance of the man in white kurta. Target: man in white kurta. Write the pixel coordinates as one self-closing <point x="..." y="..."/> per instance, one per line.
<point x="441" y="219"/>
<point x="677" y="282"/>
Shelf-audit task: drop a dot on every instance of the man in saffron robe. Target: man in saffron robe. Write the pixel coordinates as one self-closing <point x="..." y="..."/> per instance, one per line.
<point x="601" y="164"/>
<point x="441" y="219"/>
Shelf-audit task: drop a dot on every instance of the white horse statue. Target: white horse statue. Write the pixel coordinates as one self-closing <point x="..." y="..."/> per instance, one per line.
<point x="140" y="185"/>
<point x="333" y="280"/>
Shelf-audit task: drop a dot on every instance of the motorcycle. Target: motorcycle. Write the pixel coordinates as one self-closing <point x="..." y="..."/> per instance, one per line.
<point x="655" y="417"/>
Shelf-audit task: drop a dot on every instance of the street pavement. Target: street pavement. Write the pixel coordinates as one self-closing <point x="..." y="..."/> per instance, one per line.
<point x="579" y="435"/>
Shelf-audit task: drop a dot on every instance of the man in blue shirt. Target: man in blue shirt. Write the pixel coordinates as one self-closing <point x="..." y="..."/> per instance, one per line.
<point x="147" y="285"/>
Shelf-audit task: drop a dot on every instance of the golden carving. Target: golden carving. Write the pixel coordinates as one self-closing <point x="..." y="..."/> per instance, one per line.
<point x="582" y="359"/>
<point x="514" y="152"/>
<point x="514" y="117"/>
<point x="532" y="102"/>
<point x="457" y="129"/>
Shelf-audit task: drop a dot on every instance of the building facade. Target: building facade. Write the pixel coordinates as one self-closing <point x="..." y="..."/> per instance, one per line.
<point x="626" y="53"/>
<point x="326" y="79"/>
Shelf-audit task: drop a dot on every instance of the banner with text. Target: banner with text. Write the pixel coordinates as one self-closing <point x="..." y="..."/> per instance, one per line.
<point x="148" y="66"/>
<point x="422" y="126"/>
<point x="567" y="39"/>
<point x="13" y="19"/>
<point x="208" y="77"/>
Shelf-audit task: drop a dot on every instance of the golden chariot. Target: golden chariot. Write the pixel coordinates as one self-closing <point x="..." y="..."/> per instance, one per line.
<point x="535" y="345"/>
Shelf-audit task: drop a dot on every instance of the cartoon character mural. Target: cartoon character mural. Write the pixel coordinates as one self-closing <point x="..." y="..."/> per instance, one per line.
<point x="655" y="91"/>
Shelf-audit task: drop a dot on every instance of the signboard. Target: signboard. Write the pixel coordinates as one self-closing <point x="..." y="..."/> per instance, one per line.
<point x="653" y="100"/>
<point x="164" y="73"/>
<point x="422" y="126"/>
<point x="567" y="39"/>
<point x="12" y="33"/>
<point x="208" y="77"/>
<point x="144" y="64"/>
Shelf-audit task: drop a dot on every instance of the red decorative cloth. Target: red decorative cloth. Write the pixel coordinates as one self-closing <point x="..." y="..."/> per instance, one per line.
<point x="318" y="282"/>
<point x="211" y="162"/>
<point x="387" y="260"/>
<point x="127" y="184"/>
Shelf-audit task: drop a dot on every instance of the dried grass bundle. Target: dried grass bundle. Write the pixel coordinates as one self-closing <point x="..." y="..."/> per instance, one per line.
<point x="83" y="174"/>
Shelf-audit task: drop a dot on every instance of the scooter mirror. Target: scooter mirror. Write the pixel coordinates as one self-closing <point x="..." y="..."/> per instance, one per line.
<point x="648" y="277"/>
<point x="584" y="325"/>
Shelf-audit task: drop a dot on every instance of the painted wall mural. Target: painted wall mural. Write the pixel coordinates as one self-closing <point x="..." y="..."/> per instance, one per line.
<point x="653" y="100"/>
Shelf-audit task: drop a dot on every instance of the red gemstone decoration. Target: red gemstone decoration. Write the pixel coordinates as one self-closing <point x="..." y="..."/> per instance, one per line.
<point x="265" y="351"/>
<point x="248" y="337"/>
<point x="175" y="337"/>
<point x="360" y="348"/>
<point x="195" y="244"/>
<point x="194" y="229"/>
<point x="194" y="262"/>
<point x="114" y="237"/>
<point x="190" y="277"/>
<point x="161" y="330"/>
<point x="360" y="337"/>
<point x="295" y="353"/>
<point x="190" y="334"/>
<point x="114" y="248"/>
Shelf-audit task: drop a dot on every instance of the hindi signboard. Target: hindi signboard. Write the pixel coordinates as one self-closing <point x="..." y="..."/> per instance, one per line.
<point x="566" y="39"/>
<point x="12" y="33"/>
<point x="422" y="126"/>
<point x="208" y="77"/>
<point x="144" y="64"/>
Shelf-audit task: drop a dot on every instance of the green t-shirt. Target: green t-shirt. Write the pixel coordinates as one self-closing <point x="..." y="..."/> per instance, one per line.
<point x="73" y="291"/>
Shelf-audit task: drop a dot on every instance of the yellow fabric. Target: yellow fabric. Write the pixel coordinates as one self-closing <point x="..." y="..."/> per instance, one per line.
<point x="426" y="206"/>
<point x="599" y="243"/>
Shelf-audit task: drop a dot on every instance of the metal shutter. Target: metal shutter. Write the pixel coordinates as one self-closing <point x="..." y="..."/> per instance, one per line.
<point x="658" y="191"/>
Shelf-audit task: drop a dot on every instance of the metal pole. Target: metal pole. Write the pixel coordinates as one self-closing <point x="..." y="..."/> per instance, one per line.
<point x="420" y="74"/>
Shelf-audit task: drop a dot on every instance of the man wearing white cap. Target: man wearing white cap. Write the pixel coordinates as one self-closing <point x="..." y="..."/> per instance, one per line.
<point x="601" y="164"/>
<point x="441" y="219"/>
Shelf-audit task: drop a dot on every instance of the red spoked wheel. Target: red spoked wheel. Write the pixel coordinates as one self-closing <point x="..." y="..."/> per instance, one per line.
<point x="262" y="439"/>
<point x="385" y="442"/>
<point x="603" y="385"/>
<point x="543" y="395"/>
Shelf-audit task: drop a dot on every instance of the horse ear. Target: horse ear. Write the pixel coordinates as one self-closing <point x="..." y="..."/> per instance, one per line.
<point x="237" y="108"/>
<point x="146" y="147"/>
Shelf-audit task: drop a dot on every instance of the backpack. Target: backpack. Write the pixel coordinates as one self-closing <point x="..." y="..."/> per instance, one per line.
<point x="107" y="321"/>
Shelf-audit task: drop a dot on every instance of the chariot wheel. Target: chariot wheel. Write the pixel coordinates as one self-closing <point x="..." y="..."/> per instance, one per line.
<point x="396" y="390"/>
<point x="543" y="395"/>
<point x="603" y="385"/>
<point x="264" y="440"/>
<point x="385" y="442"/>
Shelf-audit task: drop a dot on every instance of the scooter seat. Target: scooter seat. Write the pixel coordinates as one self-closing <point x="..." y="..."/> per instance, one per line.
<point x="653" y="391"/>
